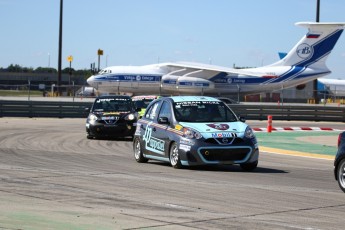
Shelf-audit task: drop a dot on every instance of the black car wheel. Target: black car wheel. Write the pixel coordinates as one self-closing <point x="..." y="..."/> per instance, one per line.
<point x="174" y="156"/>
<point x="138" y="153"/>
<point x="249" y="166"/>
<point x="88" y="135"/>
<point x="341" y="174"/>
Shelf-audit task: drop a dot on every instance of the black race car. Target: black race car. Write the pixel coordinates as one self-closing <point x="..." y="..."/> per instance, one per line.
<point x="111" y="116"/>
<point x="339" y="162"/>
<point x="194" y="130"/>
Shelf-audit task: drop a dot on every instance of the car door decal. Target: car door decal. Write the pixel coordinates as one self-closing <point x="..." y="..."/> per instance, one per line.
<point x="151" y="143"/>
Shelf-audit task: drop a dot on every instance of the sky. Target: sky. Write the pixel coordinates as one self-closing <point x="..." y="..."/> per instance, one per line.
<point x="245" y="33"/>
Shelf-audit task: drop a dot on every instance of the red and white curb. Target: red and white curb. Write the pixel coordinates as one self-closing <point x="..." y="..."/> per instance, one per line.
<point x="280" y="129"/>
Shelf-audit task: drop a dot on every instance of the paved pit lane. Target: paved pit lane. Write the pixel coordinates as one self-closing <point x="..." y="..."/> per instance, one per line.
<point x="52" y="177"/>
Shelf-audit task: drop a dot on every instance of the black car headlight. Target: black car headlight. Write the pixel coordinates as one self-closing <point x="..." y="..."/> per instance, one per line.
<point x="92" y="119"/>
<point x="130" y="117"/>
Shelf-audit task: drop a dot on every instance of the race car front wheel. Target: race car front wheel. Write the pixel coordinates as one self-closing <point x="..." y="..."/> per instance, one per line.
<point x="341" y="175"/>
<point x="174" y="156"/>
<point x="138" y="153"/>
<point x="89" y="136"/>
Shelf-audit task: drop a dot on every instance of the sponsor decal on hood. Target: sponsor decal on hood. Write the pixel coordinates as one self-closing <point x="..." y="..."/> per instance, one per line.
<point x="112" y="113"/>
<point x="215" y="129"/>
<point x="219" y="126"/>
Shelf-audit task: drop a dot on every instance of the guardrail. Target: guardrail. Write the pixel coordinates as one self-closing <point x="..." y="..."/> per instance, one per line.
<point x="291" y="112"/>
<point x="57" y="109"/>
<point x="60" y="109"/>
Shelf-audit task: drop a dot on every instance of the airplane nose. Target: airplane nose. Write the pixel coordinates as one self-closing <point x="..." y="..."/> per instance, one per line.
<point x="90" y="80"/>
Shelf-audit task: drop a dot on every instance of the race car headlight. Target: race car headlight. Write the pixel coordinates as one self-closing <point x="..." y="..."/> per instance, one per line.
<point x="191" y="133"/>
<point x="92" y="119"/>
<point x="130" y="117"/>
<point x="249" y="133"/>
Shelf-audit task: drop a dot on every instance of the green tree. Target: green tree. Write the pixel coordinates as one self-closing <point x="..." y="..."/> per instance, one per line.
<point x="45" y="70"/>
<point x="14" y="68"/>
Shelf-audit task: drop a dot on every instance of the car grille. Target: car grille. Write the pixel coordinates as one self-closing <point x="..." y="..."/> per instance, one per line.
<point x="229" y="154"/>
<point x="224" y="141"/>
<point x="111" y="121"/>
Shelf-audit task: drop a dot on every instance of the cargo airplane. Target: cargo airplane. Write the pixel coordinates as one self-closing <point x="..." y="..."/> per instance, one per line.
<point x="305" y="62"/>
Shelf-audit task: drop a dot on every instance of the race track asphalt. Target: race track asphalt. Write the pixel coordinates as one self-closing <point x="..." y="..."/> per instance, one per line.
<point x="53" y="177"/>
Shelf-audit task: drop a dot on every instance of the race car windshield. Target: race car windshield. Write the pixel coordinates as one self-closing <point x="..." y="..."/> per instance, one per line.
<point x="203" y="111"/>
<point x="112" y="105"/>
<point x="142" y="103"/>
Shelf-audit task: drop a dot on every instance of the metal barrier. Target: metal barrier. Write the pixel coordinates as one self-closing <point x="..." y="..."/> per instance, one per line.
<point x="291" y="112"/>
<point x="43" y="109"/>
<point x="250" y="112"/>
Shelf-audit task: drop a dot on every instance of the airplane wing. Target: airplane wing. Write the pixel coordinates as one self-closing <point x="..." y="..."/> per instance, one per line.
<point x="206" y="71"/>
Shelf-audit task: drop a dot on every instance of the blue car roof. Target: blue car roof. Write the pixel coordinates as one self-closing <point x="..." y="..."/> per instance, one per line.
<point x="193" y="98"/>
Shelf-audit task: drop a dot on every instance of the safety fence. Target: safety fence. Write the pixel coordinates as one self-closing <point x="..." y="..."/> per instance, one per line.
<point x="291" y="112"/>
<point x="60" y="109"/>
<point x="57" y="109"/>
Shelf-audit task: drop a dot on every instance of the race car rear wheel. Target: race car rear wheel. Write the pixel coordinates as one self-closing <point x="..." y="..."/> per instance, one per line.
<point x="138" y="153"/>
<point x="341" y="175"/>
<point x="249" y="166"/>
<point x="174" y="156"/>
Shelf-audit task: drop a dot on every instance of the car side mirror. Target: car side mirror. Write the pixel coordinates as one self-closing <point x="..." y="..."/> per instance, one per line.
<point x="242" y="119"/>
<point x="163" y="120"/>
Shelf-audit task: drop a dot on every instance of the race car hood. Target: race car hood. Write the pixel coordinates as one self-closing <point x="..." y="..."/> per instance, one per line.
<point x="219" y="129"/>
<point x="111" y="113"/>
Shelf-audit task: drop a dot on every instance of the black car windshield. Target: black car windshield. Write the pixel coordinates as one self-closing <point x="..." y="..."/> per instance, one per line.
<point x="112" y="105"/>
<point x="203" y="111"/>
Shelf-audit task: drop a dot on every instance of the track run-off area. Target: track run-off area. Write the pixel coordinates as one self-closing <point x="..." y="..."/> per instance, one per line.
<point x="53" y="177"/>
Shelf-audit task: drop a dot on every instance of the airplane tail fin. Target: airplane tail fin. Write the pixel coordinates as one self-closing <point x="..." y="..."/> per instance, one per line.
<point x="313" y="49"/>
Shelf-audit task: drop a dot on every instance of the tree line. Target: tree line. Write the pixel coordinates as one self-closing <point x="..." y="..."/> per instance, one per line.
<point x="19" y="69"/>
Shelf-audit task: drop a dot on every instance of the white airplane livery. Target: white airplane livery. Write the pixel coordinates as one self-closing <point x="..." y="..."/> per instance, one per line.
<point x="305" y="62"/>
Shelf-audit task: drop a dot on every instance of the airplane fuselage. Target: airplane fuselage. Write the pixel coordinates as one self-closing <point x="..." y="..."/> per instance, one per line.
<point x="157" y="80"/>
<point x="306" y="61"/>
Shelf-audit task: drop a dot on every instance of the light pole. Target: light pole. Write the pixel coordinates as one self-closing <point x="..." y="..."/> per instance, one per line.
<point x="73" y="90"/>
<point x="60" y="49"/>
<point x="317" y="10"/>
<point x="99" y="53"/>
<point x="70" y="59"/>
<point x="29" y="82"/>
<point x="315" y="81"/>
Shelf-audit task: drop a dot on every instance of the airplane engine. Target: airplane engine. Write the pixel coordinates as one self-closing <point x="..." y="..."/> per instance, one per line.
<point x="169" y="81"/>
<point x="194" y="84"/>
<point x="185" y="84"/>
